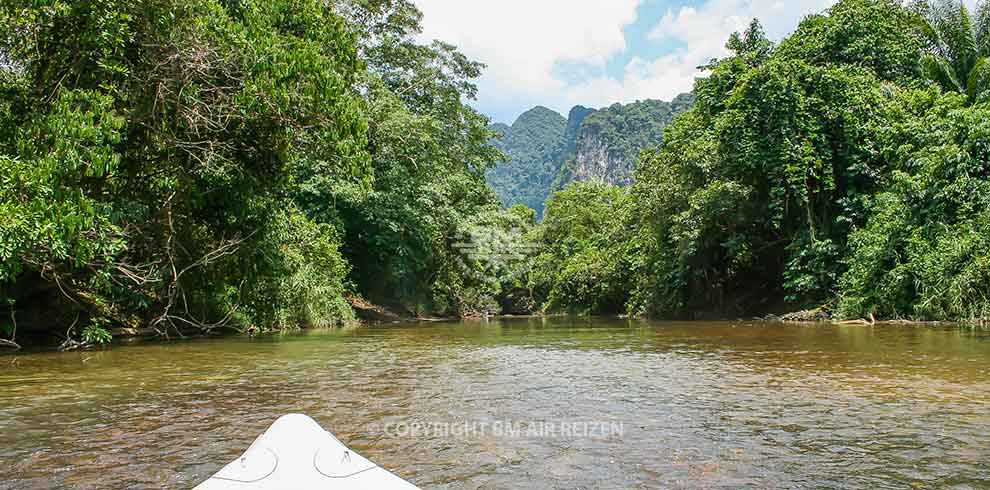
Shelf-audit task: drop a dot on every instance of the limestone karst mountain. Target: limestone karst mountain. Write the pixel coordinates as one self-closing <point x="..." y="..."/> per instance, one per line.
<point x="547" y="151"/>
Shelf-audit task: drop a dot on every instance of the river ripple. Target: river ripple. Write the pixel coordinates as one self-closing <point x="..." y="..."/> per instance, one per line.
<point x="530" y="404"/>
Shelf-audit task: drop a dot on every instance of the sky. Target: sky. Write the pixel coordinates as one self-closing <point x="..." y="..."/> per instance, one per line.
<point x="562" y="53"/>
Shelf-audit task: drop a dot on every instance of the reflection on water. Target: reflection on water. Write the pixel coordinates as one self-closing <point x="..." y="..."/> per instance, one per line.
<point x="700" y="405"/>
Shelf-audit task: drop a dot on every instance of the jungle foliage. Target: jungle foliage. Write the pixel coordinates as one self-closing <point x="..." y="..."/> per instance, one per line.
<point x="195" y="165"/>
<point x="834" y="169"/>
<point x="202" y="164"/>
<point x="584" y="250"/>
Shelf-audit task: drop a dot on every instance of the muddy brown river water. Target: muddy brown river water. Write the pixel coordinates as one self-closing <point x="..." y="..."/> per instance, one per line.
<point x="528" y="404"/>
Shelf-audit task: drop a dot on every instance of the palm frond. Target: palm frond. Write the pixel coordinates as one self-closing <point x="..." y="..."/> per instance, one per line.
<point x="925" y="23"/>
<point x="957" y="30"/>
<point x="938" y="69"/>
<point x="947" y="28"/>
<point x="967" y="35"/>
<point x="979" y="79"/>
<point x="983" y="27"/>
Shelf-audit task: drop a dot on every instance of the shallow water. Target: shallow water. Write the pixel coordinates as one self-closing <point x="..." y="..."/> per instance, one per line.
<point x="529" y="404"/>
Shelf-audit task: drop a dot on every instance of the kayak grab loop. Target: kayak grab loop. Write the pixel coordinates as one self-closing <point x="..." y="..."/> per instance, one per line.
<point x="344" y="466"/>
<point x="254" y="466"/>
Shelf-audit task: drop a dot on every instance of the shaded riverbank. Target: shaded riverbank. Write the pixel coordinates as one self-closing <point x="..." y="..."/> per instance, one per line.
<point x="369" y="315"/>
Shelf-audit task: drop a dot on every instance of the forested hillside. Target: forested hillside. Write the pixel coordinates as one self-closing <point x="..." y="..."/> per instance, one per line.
<point x="532" y="145"/>
<point x="610" y="140"/>
<point x="596" y="145"/>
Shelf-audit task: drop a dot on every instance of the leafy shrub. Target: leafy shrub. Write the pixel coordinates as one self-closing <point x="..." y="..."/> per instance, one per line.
<point x="926" y="249"/>
<point x="306" y="276"/>
<point x="96" y="333"/>
<point x="582" y="263"/>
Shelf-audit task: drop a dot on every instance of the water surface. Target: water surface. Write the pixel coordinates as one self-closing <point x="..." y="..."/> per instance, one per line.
<point x="680" y="405"/>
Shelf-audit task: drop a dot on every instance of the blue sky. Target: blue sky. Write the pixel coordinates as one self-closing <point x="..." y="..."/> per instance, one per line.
<point x="638" y="42"/>
<point x="560" y="53"/>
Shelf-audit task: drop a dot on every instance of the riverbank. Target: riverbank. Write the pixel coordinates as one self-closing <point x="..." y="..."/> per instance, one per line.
<point x="367" y="313"/>
<point x="381" y="316"/>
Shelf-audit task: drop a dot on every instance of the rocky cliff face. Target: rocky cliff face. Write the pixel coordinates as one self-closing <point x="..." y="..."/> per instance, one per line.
<point x="547" y="152"/>
<point x="610" y="140"/>
<point x="594" y="160"/>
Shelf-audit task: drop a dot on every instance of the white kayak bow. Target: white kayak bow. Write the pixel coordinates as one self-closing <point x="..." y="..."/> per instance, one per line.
<point x="295" y="453"/>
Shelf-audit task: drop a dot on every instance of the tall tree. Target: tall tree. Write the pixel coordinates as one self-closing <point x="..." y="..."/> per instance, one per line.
<point x="958" y="46"/>
<point x="429" y="150"/>
<point x="148" y="150"/>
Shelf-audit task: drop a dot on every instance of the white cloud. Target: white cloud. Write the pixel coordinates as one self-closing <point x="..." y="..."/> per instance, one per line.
<point x="522" y="41"/>
<point x="703" y="32"/>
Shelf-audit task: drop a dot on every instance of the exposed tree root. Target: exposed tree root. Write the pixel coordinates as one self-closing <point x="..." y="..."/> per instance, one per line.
<point x="10" y="344"/>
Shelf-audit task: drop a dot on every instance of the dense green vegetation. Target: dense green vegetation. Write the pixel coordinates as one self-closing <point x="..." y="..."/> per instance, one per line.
<point x="151" y="153"/>
<point x="193" y="165"/>
<point x="833" y="169"/>
<point x="197" y="164"/>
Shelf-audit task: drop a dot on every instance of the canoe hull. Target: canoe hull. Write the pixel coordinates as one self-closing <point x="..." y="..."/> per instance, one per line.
<point x="295" y="453"/>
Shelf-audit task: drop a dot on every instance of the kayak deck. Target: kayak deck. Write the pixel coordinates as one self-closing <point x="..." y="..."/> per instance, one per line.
<point x="295" y="453"/>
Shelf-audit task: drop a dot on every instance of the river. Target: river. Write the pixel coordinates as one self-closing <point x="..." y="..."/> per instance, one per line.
<point x="522" y="404"/>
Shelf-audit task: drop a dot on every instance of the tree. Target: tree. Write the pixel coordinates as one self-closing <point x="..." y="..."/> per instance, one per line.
<point x="429" y="154"/>
<point x="749" y="202"/>
<point x="149" y="154"/>
<point x="584" y="250"/>
<point x="957" y="48"/>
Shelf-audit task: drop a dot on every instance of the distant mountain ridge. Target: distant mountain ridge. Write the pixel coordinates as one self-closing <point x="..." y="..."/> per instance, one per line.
<point x="547" y="151"/>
